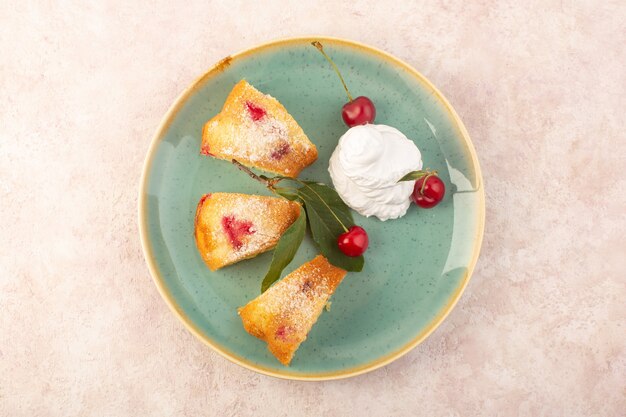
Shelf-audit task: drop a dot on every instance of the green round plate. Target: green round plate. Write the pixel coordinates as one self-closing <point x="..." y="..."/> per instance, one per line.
<point x="415" y="268"/>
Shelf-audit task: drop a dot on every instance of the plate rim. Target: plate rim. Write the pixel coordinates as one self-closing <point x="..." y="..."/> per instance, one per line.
<point x="180" y="314"/>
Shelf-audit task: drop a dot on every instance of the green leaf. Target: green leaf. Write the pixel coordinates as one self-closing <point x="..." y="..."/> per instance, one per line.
<point x="285" y="250"/>
<point x="288" y="193"/>
<point x="414" y="175"/>
<point x="328" y="217"/>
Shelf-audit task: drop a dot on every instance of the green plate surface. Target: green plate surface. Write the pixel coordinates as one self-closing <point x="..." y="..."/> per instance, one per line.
<point x="415" y="268"/>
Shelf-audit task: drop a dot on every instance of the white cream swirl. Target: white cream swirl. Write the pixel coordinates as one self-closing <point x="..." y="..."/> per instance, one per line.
<point x="366" y="166"/>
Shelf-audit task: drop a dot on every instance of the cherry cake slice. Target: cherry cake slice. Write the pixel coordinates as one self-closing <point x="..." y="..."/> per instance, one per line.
<point x="255" y="129"/>
<point x="230" y="227"/>
<point x="284" y="314"/>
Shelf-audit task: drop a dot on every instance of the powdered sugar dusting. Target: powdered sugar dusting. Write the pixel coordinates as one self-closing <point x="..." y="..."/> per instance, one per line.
<point x="298" y="299"/>
<point x="261" y="137"/>
<point x="285" y="313"/>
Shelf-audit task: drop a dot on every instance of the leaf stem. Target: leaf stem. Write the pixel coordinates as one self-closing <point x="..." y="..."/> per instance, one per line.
<point x="320" y="48"/>
<point x="268" y="182"/>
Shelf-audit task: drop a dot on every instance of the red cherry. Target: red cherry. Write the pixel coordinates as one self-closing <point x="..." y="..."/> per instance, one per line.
<point x="359" y="111"/>
<point x="429" y="194"/>
<point x="353" y="242"/>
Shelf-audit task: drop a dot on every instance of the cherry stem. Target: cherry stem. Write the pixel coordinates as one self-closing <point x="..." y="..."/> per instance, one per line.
<point x="428" y="175"/>
<point x="320" y="48"/>
<point x="268" y="182"/>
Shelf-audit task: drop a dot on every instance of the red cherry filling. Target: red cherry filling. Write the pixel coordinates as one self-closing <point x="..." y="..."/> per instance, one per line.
<point x="236" y="229"/>
<point x="205" y="150"/>
<point x="282" y="150"/>
<point x="204" y="197"/>
<point x="306" y="286"/>
<point x="283" y="332"/>
<point x="307" y="289"/>
<point x="256" y="113"/>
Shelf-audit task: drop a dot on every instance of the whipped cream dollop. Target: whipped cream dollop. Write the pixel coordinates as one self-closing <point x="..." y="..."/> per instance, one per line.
<point x="366" y="166"/>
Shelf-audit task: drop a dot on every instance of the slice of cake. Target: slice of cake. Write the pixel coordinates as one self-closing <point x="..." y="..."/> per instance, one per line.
<point x="255" y="129"/>
<point x="283" y="315"/>
<point x="231" y="227"/>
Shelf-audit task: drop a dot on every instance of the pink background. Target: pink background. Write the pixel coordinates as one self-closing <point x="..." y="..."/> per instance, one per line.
<point x="540" y="330"/>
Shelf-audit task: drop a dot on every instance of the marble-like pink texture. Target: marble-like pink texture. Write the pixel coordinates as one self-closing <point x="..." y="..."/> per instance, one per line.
<point x="540" y="330"/>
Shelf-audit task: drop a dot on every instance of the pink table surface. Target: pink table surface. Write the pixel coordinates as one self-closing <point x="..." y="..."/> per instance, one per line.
<point x="541" y="87"/>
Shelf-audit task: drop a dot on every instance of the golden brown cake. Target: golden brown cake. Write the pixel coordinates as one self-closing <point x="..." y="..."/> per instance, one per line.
<point x="283" y="315"/>
<point x="255" y="129"/>
<point x="231" y="227"/>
